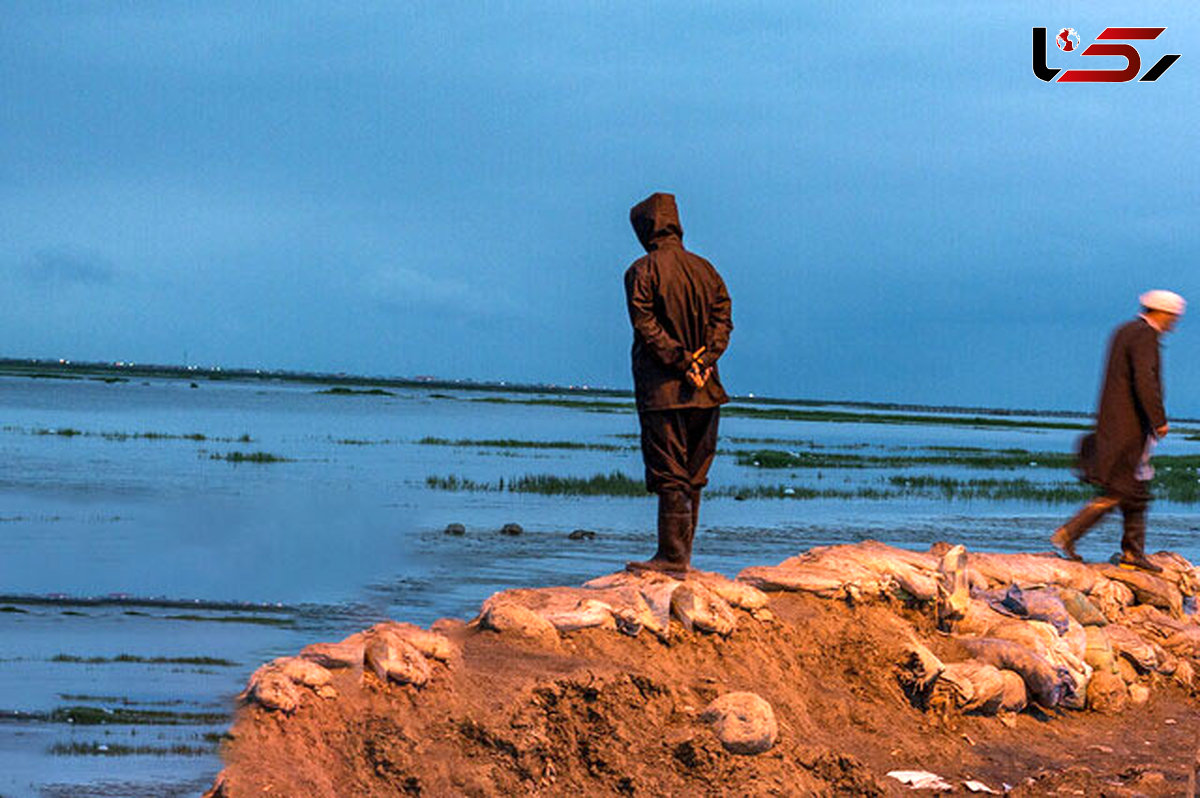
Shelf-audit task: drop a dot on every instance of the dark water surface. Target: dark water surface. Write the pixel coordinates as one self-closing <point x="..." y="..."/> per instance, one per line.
<point x="142" y="580"/>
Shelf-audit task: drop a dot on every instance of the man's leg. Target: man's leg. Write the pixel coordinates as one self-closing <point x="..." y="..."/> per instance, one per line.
<point x="1067" y="535"/>
<point x="1133" y="541"/>
<point x="664" y="454"/>
<point x="702" y="425"/>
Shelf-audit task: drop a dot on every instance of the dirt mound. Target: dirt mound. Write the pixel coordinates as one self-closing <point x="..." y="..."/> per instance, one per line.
<point x="616" y="705"/>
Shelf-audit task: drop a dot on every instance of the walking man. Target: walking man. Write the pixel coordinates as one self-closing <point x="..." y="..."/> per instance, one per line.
<point x="1131" y="418"/>
<point x="680" y="312"/>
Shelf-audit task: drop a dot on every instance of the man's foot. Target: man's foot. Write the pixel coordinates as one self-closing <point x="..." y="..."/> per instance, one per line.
<point x="1066" y="547"/>
<point x="1131" y="561"/>
<point x="658" y="566"/>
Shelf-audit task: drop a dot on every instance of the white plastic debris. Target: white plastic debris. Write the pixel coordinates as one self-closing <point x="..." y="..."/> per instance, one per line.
<point x="979" y="786"/>
<point x="921" y="780"/>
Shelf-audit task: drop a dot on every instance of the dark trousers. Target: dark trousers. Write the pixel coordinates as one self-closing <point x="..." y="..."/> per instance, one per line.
<point x="1133" y="516"/>
<point x="678" y="447"/>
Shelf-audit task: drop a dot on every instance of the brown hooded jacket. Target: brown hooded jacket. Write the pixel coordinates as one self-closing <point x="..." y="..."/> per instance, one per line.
<point x="677" y="304"/>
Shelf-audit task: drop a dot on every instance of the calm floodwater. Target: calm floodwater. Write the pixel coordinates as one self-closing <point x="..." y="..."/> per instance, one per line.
<point x="119" y="531"/>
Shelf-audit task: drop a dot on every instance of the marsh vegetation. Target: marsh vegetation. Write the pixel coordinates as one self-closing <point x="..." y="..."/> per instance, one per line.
<point x="509" y="443"/>
<point x="134" y="659"/>
<point x="249" y="457"/>
<point x="121" y="749"/>
<point x="72" y="432"/>
<point x="613" y="483"/>
<point x="340" y="391"/>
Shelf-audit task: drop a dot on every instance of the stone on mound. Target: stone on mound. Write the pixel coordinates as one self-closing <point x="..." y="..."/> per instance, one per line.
<point x="743" y="722"/>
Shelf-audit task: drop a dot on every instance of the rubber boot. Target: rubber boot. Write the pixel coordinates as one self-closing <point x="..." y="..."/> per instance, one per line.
<point x="1067" y="535"/>
<point x="674" y="535"/>
<point x="1133" y="541"/>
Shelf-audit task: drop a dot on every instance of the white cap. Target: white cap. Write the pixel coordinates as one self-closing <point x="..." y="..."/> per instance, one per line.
<point x="1166" y="301"/>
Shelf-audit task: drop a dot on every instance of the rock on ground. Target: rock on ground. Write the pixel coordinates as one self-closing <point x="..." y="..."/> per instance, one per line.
<point x="743" y="722"/>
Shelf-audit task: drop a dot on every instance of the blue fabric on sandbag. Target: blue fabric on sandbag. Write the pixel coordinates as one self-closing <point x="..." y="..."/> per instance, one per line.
<point x="1041" y="604"/>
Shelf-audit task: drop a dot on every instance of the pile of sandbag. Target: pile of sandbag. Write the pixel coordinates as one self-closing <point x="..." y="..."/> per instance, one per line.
<point x="1027" y="628"/>
<point x="1095" y="636"/>
<point x="399" y="653"/>
<point x="856" y="571"/>
<point x="625" y="602"/>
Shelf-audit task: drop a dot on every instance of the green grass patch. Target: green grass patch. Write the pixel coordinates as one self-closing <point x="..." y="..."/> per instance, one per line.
<point x="139" y="660"/>
<point x="71" y="432"/>
<point x="614" y="483"/>
<point x="893" y="487"/>
<point x="43" y="376"/>
<point x="257" y="620"/>
<point x="119" y="749"/>
<point x="798" y="492"/>
<point x="991" y="489"/>
<point x="339" y="391"/>
<point x="100" y="716"/>
<point x="249" y="457"/>
<point x="998" y="459"/>
<point x="736" y="410"/>
<point x="1175" y="481"/>
<point x="588" y="405"/>
<point x="806" y="444"/>
<point x="847" y="417"/>
<point x="509" y="443"/>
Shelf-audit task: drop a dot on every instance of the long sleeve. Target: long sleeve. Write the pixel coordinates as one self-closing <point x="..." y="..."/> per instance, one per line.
<point x="639" y="296"/>
<point x="1146" y="379"/>
<point x="720" y="324"/>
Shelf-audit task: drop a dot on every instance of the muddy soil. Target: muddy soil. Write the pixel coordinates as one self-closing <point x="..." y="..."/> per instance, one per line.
<point x="605" y="714"/>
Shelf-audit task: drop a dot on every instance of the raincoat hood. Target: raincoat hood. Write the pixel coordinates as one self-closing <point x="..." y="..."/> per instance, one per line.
<point x="656" y="221"/>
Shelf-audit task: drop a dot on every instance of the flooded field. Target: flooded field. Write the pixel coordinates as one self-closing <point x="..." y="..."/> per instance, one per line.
<point x="158" y="541"/>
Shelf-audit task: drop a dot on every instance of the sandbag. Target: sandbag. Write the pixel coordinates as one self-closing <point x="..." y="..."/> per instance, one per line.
<point x="1185" y="643"/>
<point x="973" y="686"/>
<point x="1154" y="622"/>
<point x="920" y="669"/>
<point x="1075" y="640"/>
<point x="1130" y="645"/>
<point x="697" y="607"/>
<point x="977" y="620"/>
<point x="953" y="587"/>
<point x="798" y="576"/>
<point x="1178" y="570"/>
<point x="1015" y="697"/>
<point x="1111" y="598"/>
<point x="1107" y="693"/>
<point x="1037" y="604"/>
<point x="1023" y="633"/>
<point x="1080" y="608"/>
<point x="1046" y="683"/>
<point x="853" y="571"/>
<point x="1032" y="570"/>
<point x="1147" y="588"/>
<point x="1099" y="654"/>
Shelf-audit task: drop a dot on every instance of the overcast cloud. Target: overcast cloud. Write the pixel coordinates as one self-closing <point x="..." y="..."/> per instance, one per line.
<point x="901" y="210"/>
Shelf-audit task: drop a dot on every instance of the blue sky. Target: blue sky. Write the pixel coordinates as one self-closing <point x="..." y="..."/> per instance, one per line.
<point x="900" y="209"/>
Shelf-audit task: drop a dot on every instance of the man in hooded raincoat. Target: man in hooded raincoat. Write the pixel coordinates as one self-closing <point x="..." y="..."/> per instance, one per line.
<point x="680" y="312"/>
<point x="1131" y="418"/>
